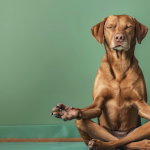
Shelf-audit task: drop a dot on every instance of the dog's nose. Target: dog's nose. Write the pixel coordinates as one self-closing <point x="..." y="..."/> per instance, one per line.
<point x="119" y="38"/>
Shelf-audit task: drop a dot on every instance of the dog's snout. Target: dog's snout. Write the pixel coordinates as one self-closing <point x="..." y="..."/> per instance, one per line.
<point x="119" y="37"/>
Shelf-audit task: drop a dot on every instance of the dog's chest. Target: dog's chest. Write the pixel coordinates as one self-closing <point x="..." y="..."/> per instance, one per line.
<point x="121" y="99"/>
<point x="122" y="91"/>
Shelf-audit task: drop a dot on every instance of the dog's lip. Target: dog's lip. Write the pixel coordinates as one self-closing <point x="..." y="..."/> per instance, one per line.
<point x="117" y="46"/>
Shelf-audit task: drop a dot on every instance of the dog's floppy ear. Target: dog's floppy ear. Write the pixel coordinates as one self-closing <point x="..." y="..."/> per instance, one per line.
<point x="98" y="31"/>
<point x="141" y="30"/>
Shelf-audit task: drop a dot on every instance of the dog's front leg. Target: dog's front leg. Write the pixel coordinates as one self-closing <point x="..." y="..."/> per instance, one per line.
<point x="68" y="113"/>
<point x="94" y="110"/>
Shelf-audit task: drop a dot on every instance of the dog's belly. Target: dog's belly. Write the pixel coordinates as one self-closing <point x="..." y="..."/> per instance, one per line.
<point x="119" y="115"/>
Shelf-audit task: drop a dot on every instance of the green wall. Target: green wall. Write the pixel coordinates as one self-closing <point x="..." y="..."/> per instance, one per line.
<point x="48" y="55"/>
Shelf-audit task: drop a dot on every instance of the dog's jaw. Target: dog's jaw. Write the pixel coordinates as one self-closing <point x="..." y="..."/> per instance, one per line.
<point x="119" y="48"/>
<point x="119" y="52"/>
<point x="120" y="45"/>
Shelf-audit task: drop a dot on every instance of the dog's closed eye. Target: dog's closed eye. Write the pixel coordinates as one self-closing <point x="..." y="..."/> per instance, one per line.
<point x="109" y="27"/>
<point x="128" y="27"/>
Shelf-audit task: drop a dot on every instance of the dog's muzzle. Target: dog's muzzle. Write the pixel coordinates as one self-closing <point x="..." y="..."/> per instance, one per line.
<point x="119" y="42"/>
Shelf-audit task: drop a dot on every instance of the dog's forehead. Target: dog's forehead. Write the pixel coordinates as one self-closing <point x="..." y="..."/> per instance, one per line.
<point x="119" y="18"/>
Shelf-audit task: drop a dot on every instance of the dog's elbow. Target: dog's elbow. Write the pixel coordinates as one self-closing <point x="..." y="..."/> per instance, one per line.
<point x="144" y="113"/>
<point x="143" y="109"/>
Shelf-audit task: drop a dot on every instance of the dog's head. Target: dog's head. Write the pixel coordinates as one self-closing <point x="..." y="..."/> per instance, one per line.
<point x="119" y="32"/>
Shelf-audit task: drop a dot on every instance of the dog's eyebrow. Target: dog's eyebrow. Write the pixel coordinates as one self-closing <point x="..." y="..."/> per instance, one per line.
<point x="110" y="24"/>
<point x="129" y="24"/>
<point x="106" y="23"/>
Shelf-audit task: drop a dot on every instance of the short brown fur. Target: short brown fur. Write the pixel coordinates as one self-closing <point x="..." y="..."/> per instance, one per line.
<point x="119" y="92"/>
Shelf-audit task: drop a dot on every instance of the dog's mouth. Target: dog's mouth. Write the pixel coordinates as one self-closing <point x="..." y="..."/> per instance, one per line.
<point x="119" y="47"/>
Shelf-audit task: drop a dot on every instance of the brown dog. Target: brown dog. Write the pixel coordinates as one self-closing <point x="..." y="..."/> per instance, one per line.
<point x="119" y="91"/>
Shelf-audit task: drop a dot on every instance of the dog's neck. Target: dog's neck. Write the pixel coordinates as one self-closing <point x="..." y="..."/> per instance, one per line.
<point x="119" y="61"/>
